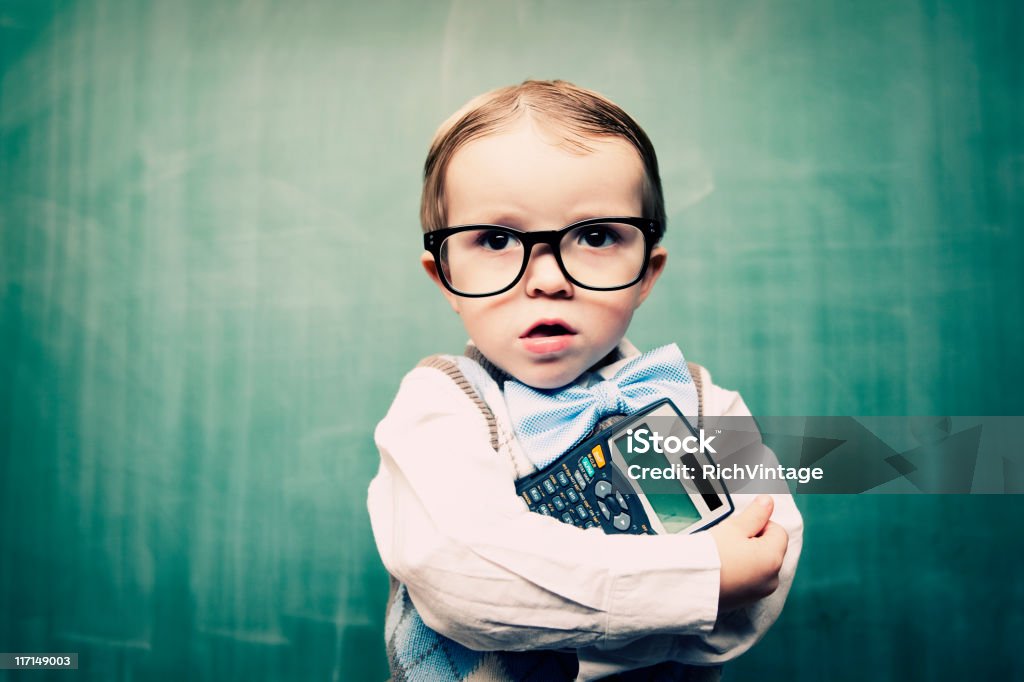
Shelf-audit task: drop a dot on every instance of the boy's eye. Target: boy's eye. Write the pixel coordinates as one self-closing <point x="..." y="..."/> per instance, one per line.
<point x="496" y="240"/>
<point x="598" y="236"/>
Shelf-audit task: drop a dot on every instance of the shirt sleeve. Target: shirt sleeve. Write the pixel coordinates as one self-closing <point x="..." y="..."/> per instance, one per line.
<point x="736" y="631"/>
<point x="486" y="572"/>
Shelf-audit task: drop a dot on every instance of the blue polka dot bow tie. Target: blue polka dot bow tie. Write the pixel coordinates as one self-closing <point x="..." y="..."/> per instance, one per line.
<point x="550" y="422"/>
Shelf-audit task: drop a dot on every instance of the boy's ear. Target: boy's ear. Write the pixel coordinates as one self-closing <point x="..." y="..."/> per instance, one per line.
<point x="427" y="261"/>
<point x="655" y="266"/>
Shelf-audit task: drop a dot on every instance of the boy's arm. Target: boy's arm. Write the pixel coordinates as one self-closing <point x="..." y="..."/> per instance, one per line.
<point x="484" y="571"/>
<point x="735" y="631"/>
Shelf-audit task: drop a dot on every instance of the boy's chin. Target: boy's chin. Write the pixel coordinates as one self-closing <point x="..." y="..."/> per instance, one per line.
<point x="546" y="377"/>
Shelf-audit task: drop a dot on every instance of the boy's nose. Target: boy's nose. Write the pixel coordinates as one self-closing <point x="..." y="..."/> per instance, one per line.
<point x="543" y="277"/>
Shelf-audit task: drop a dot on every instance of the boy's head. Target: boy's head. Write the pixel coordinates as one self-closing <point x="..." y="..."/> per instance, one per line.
<point x="536" y="158"/>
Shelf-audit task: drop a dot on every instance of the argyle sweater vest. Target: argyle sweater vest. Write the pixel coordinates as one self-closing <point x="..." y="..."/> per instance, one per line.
<point x="415" y="652"/>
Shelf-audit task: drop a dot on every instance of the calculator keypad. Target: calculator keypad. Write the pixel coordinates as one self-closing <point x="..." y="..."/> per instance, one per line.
<point x="581" y="493"/>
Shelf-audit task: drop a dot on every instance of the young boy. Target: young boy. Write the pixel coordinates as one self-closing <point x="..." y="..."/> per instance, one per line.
<point x="483" y="588"/>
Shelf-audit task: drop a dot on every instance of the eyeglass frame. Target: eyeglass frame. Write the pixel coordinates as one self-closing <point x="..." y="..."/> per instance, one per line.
<point x="651" y="230"/>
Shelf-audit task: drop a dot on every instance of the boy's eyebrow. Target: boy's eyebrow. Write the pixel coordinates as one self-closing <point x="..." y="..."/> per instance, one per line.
<point x="595" y="214"/>
<point x="510" y="220"/>
<point x="502" y="215"/>
<point x="587" y="211"/>
<point x="507" y="220"/>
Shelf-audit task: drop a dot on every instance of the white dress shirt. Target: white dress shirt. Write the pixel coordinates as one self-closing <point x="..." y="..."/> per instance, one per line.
<point x="488" y="573"/>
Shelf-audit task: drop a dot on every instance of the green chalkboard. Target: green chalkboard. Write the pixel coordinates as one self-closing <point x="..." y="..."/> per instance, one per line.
<point x="209" y="290"/>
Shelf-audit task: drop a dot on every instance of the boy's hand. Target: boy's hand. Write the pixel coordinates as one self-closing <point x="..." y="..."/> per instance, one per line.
<point x="751" y="549"/>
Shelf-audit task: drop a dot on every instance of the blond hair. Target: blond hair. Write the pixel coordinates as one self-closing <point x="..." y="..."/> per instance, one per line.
<point x="574" y="113"/>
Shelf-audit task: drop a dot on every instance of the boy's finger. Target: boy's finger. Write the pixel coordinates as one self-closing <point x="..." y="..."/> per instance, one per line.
<point x="775" y="536"/>
<point x="751" y="521"/>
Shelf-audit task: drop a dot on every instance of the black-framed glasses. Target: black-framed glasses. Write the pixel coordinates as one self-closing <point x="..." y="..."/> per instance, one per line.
<point x="601" y="254"/>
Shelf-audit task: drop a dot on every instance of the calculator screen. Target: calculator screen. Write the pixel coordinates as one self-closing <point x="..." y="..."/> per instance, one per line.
<point x="667" y="497"/>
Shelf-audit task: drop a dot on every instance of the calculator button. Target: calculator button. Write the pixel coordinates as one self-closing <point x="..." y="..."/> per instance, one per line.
<point x="582" y="511"/>
<point x="604" y="509"/>
<point x="535" y="494"/>
<point x="543" y="509"/>
<point x="621" y="522"/>
<point x="563" y="480"/>
<point x="587" y="466"/>
<point x="598" y="454"/>
<point x="580" y="479"/>
<point x="603" y="489"/>
<point x="588" y="524"/>
<point x="549" y="486"/>
<point x="621" y="500"/>
<point x="571" y="494"/>
<point x="559" y="503"/>
<point x="613" y="506"/>
<point x="566" y="518"/>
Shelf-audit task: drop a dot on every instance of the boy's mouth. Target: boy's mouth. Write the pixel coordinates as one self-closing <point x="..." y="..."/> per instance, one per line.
<point x="547" y="336"/>
<point x="545" y="328"/>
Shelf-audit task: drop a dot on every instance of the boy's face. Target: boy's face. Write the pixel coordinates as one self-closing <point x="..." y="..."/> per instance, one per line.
<point x="521" y="178"/>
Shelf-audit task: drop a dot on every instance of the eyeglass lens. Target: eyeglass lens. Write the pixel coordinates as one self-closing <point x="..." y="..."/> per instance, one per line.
<point x="488" y="259"/>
